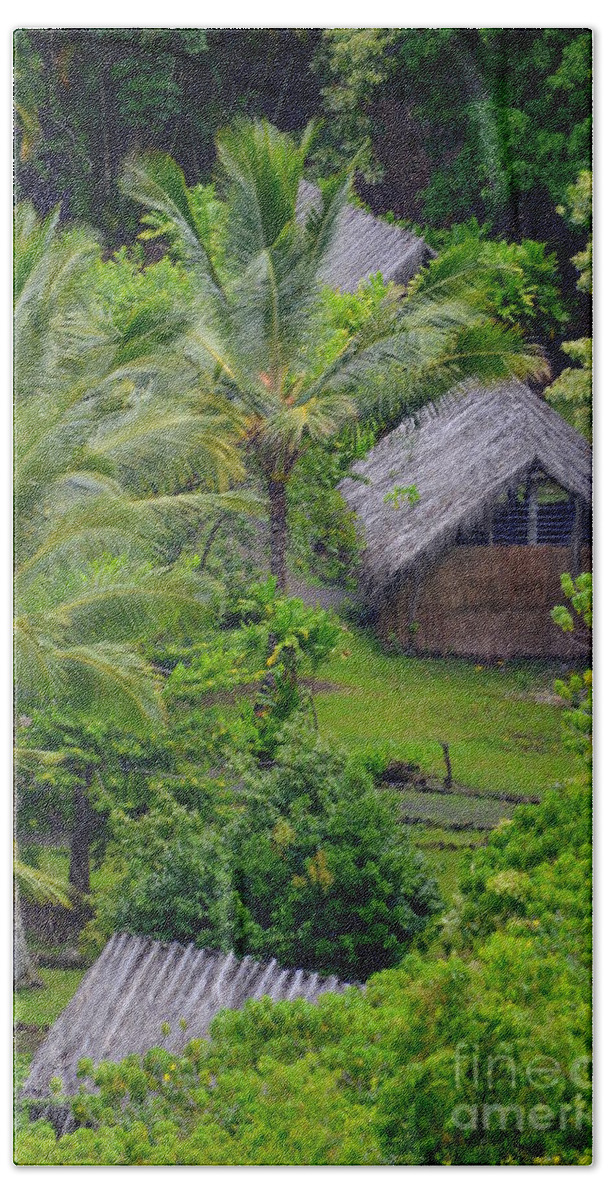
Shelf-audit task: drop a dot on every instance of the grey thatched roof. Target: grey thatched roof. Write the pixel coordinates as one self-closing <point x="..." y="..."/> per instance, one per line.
<point x="461" y="454"/>
<point x="365" y="245"/>
<point x="137" y="984"/>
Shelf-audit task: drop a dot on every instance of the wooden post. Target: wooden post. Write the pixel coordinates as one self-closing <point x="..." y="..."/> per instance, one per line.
<point x="447" y="783"/>
<point x="577" y="531"/>
<point x="490" y="526"/>
<point x="532" y="512"/>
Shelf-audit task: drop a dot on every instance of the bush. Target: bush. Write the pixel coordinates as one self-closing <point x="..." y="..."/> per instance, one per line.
<point x="169" y="877"/>
<point x="305" y="862"/>
<point x="324" y="869"/>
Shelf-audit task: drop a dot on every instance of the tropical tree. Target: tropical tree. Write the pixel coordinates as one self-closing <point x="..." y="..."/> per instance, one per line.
<point x="256" y="333"/>
<point x="87" y="415"/>
<point x="572" y="392"/>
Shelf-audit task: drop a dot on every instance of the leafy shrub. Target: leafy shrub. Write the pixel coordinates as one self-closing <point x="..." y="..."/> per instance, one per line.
<point x="404" y="1071"/>
<point x="519" y="280"/>
<point x="304" y="862"/>
<point x="325" y="871"/>
<point x="577" y="690"/>
<point x="325" y="541"/>
<point x="168" y="878"/>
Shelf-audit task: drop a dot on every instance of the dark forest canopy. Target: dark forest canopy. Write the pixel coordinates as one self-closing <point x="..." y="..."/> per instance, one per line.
<point x="494" y="122"/>
<point x="85" y="98"/>
<point x="448" y="124"/>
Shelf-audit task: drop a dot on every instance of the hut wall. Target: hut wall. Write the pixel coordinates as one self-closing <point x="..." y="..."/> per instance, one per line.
<point x="487" y="602"/>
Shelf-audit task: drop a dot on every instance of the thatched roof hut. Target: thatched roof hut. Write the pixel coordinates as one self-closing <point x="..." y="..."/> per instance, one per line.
<point x="461" y="454"/>
<point x="479" y="460"/>
<point x="139" y="986"/>
<point x="364" y="245"/>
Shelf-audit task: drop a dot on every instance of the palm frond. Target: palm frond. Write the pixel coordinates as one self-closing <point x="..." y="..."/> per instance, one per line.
<point x="156" y="181"/>
<point x="117" y="679"/>
<point x="261" y="170"/>
<point x="322" y="221"/>
<point x="460" y="270"/>
<point x="41" y="887"/>
<point x="165" y="443"/>
<point x="317" y="418"/>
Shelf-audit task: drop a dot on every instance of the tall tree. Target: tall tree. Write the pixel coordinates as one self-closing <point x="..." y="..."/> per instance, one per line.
<point x="86" y="417"/>
<point x="257" y="328"/>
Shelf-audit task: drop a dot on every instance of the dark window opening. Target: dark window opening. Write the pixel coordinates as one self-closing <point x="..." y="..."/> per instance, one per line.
<point x="510" y="524"/>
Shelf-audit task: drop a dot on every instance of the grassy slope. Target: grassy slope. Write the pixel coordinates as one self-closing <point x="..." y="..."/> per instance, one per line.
<point x="37" y="1008"/>
<point x="500" y="737"/>
<point x="41" y="1006"/>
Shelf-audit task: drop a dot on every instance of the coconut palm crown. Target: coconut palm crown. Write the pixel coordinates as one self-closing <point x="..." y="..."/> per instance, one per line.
<point x="255" y="330"/>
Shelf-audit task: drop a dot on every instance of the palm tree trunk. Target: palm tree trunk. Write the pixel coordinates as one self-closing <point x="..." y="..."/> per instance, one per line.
<point x="24" y="971"/>
<point x="80" y="841"/>
<point x="277" y="496"/>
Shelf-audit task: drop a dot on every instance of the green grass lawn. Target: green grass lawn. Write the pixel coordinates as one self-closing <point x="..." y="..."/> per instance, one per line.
<point x="41" y="1006"/>
<point x="447" y="858"/>
<point x="55" y="861"/>
<point x="502" y="735"/>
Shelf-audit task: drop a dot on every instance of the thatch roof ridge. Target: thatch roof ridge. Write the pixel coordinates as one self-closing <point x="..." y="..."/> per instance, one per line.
<point x="364" y="245"/>
<point x="461" y="452"/>
<point x="137" y="984"/>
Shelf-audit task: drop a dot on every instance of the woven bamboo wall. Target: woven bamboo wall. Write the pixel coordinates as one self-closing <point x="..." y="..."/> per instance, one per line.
<point x="487" y="602"/>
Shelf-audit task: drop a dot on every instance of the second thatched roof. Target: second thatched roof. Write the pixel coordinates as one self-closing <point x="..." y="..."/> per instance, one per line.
<point x="142" y="993"/>
<point x="364" y="245"/>
<point x="461" y="454"/>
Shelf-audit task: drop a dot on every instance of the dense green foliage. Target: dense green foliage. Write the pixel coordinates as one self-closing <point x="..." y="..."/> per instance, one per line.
<point x="477" y="1057"/>
<point x="493" y="124"/>
<point x="85" y="98"/>
<point x="60" y="755"/>
<point x="327" y="876"/>
<point x="182" y="404"/>
<point x="303" y="862"/>
<point x="577" y="690"/>
<point x="521" y="280"/>
<point x="488" y="136"/>
<point x="478" y="139"/>
<point x="572" y="392"/>
<point x="478" y="1053"/>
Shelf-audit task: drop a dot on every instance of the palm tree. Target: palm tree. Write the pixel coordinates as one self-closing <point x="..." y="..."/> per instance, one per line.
<point x="89" y="409"/>
<point x="255" y="332"/>
<point x="45" y="889"/>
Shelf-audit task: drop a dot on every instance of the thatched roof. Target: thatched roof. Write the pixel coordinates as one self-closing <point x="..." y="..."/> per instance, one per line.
<point x="365" y="245"/>
<point x="137" y="984"/>
<point x="462" y="454"/>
